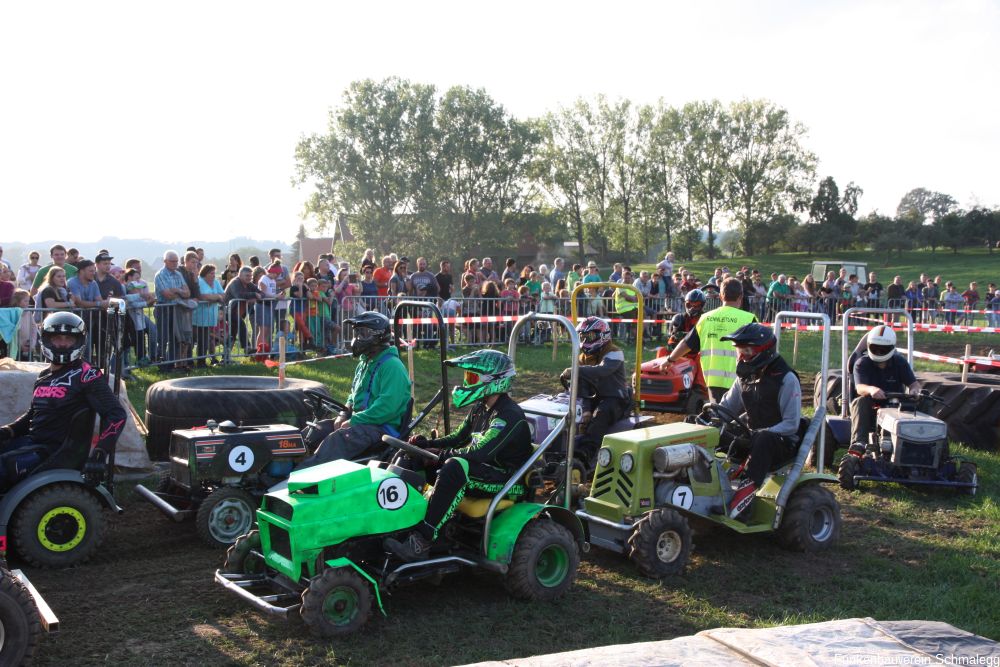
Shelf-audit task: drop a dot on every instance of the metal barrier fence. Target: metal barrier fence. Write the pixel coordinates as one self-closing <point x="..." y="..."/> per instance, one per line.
<point x="177" y="334"/>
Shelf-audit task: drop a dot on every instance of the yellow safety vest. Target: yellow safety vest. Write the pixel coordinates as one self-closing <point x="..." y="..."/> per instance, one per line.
<point x="718" y="357"/>
<point x="621" y="305"/>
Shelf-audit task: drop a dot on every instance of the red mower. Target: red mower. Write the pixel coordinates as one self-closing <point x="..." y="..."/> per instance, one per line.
<point x="678" y="387"/>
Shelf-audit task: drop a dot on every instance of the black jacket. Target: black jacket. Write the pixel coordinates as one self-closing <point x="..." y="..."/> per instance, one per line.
<point x="499" y="436"/>
<point x="58" y="395"/>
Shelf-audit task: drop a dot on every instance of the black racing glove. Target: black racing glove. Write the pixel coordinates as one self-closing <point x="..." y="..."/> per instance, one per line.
<point x="418" y="440"/>
<point x="95" y="470"/>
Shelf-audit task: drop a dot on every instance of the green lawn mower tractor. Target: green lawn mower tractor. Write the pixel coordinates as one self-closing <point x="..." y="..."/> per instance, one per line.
<point x="320" y="549"/>
<point x="650" y="485"/>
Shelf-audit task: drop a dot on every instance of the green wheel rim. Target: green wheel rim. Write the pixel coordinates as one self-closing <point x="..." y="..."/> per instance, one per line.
<point x="552" y="566"/>
<point x="61" y="529"/>
<point x="341" y="605"/>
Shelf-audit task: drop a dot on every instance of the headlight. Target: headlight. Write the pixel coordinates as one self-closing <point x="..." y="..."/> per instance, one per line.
<point x="627" y="463"/>
<point x="604" y="457"/>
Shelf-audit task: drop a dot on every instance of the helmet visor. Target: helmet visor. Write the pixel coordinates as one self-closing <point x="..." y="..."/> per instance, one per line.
<point x="590" y="337"/>
<point x="471" y="378"/>
<point x="364" y="333"/>
<point x="880" y="350"/>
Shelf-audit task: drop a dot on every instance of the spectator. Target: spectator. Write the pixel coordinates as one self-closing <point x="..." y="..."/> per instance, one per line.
<point x="7" y="286"/>
<point x="644" y="284"/>
<point x="399" y="283"/>
<point x="626" y="305"/>
<point x="206" y="316"/>
<point x="510" y="271"/>
<point x="4" y="261"/>
<point x="971" y="297"/>
<point x="895" y="293"/>
<point x="26" y="274"/>
<point x="171" y="289"/>
<point x="368" y="259"/>
<point x="543" y="273"/>
<point x="264" y="313"/>
<point x="57" y="254"/>
<point x="488" y="272"/>
<point x="73" y="258"/>
<point x="86" y="294"/>
<point x="254" y="262"/>
<point x="573" y="277"/>
<point x="489" y="306"/>
<point x="993" y="306"/>
<point x="148" y="326"/>
<point x="534" y="285"/>
<point x="777" y="296"/>
<point x="930" y="294"/>
<point x="953" y="302"/>
<point x="667" y="263"/>
<point x="54" y="293"/>
<point x="558" y="271"/>
<point x="383" y="275"/>
<point x="27" y="333"/>
<point x="240" y="296"/>
<point x="872" y="290"/>
<point x="470" y="305"/>
<point x="136" y="302"/>
<point x="593" y="275"/>
<point x="324" y="271"/>
<point x="327" y="313"/>
<point x="913" y="300"/>
<point x="444" y="280"/>
<point x="304" y="307"/>
<point x="616" y="273"/>
<point x="423" y="283"/>
<point x="107" y="283"/>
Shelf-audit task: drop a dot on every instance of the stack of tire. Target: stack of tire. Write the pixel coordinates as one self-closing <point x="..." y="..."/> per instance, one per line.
<point x="971" y="409"/>
<point x="246" y="400"/>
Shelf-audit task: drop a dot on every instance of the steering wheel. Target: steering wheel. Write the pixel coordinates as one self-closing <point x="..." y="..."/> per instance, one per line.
<point x="412" y="449"/>
<point x="726" y="419"/>
<point x="580" y="385"/>
<point x="906" y="398"/>
<point x="317" y="400"/>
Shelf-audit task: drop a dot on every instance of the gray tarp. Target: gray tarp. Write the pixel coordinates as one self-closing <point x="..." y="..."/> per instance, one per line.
<point x="16" y="380"/>
<point x="855" y="641"/>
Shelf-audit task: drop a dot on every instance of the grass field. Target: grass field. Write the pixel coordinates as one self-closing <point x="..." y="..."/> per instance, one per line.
<point x="148" y="597"/>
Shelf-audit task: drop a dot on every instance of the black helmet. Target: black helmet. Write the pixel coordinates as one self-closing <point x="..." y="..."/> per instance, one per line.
<point x="757" y="347"/>
<point x="372" y="333"/>
<point x="63" y="323"/>
<point x="694" y="302"/>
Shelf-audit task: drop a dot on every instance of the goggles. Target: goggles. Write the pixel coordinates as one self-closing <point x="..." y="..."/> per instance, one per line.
<point x="880" y="350"/>
<point x="471" y="378"/>
<point x="590" y="337"/>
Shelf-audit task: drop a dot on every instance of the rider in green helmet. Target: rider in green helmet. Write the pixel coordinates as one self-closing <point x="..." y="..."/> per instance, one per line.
<point x="492" y="443"/>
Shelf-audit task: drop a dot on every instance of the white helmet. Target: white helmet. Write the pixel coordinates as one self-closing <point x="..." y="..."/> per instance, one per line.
<point x="881" y="343"/>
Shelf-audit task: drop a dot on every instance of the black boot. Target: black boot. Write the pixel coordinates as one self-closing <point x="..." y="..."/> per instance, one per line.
<point x="412" y="548"/>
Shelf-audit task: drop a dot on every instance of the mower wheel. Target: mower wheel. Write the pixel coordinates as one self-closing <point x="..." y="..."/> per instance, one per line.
<point x="59" y="526"/>
<point x="848" y="469"/>
<point x="227" y="513"/>
<point x="695" y="402"/>
<point x="812" y="520"/>
<point x="337" y="603"/>
<point x="660" y="544"/>
<point x="244" y="556"/>
<point x="967" y="473"/>
<point x="545" y="562"/>
<point x="20" y="629"/>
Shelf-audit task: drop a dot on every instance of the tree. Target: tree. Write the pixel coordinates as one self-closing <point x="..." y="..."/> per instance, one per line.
<point x="953" y="230"/>
<point x="985" y="224"/>
<point x="562" y="166"/>
<point x="767" y="166"/>
<point x="482" y="169"/>
<point x="366" y="166"/>
<point x="833" y="215"/>
<point x="663" y="178"/>
<point x="921" y="203"/>
<point x="631" y="128"/>
<point x="703" y="127"/>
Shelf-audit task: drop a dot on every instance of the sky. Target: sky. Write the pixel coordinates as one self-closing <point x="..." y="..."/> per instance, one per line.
<point x="178" y="121"/>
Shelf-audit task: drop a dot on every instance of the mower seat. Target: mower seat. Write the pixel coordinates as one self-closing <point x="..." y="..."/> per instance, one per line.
<point x="475" y="508"/>
<point x="406" y="422"/>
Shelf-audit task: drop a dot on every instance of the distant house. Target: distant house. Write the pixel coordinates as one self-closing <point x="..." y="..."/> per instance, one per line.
<point x="311" y="248"/>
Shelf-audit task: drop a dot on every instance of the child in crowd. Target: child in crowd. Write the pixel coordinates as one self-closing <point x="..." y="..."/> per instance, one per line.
<point x="27" y="334"/>
<point x="302" y="304"/>
<point x="135" y="301"/>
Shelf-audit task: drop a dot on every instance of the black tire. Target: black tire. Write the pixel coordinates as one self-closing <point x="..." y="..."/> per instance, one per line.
<point x="336" y="603"/>
<point x="967" y="473"/>
<point x="833" y="390"/>
<point x="660" y="544"/>
<point x="71" y="519"/>
<point x="20" y="629"/>
<point x="847" y="470"/>
<point x="812" y="520"/>
<point x="241" y="559"/>
<point x="694" y="402"/>
<point x="545" y="562"/>
<point x="971" y="409"/>
<point x="225" y="515"/>
<point x="251" y="400"/>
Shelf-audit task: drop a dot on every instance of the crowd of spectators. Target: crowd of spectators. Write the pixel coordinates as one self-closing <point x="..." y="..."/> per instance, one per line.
<point x="191" y="309"/>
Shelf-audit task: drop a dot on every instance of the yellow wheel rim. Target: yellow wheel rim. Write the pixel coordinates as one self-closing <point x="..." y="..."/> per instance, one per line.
<point x="61" y="529"/>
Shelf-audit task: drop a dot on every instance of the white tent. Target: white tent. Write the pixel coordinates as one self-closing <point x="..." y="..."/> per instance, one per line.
<point x="855" y="641"/>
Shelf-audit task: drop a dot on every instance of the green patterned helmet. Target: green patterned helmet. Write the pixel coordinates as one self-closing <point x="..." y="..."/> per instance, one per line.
<point x="487" y="372"/>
